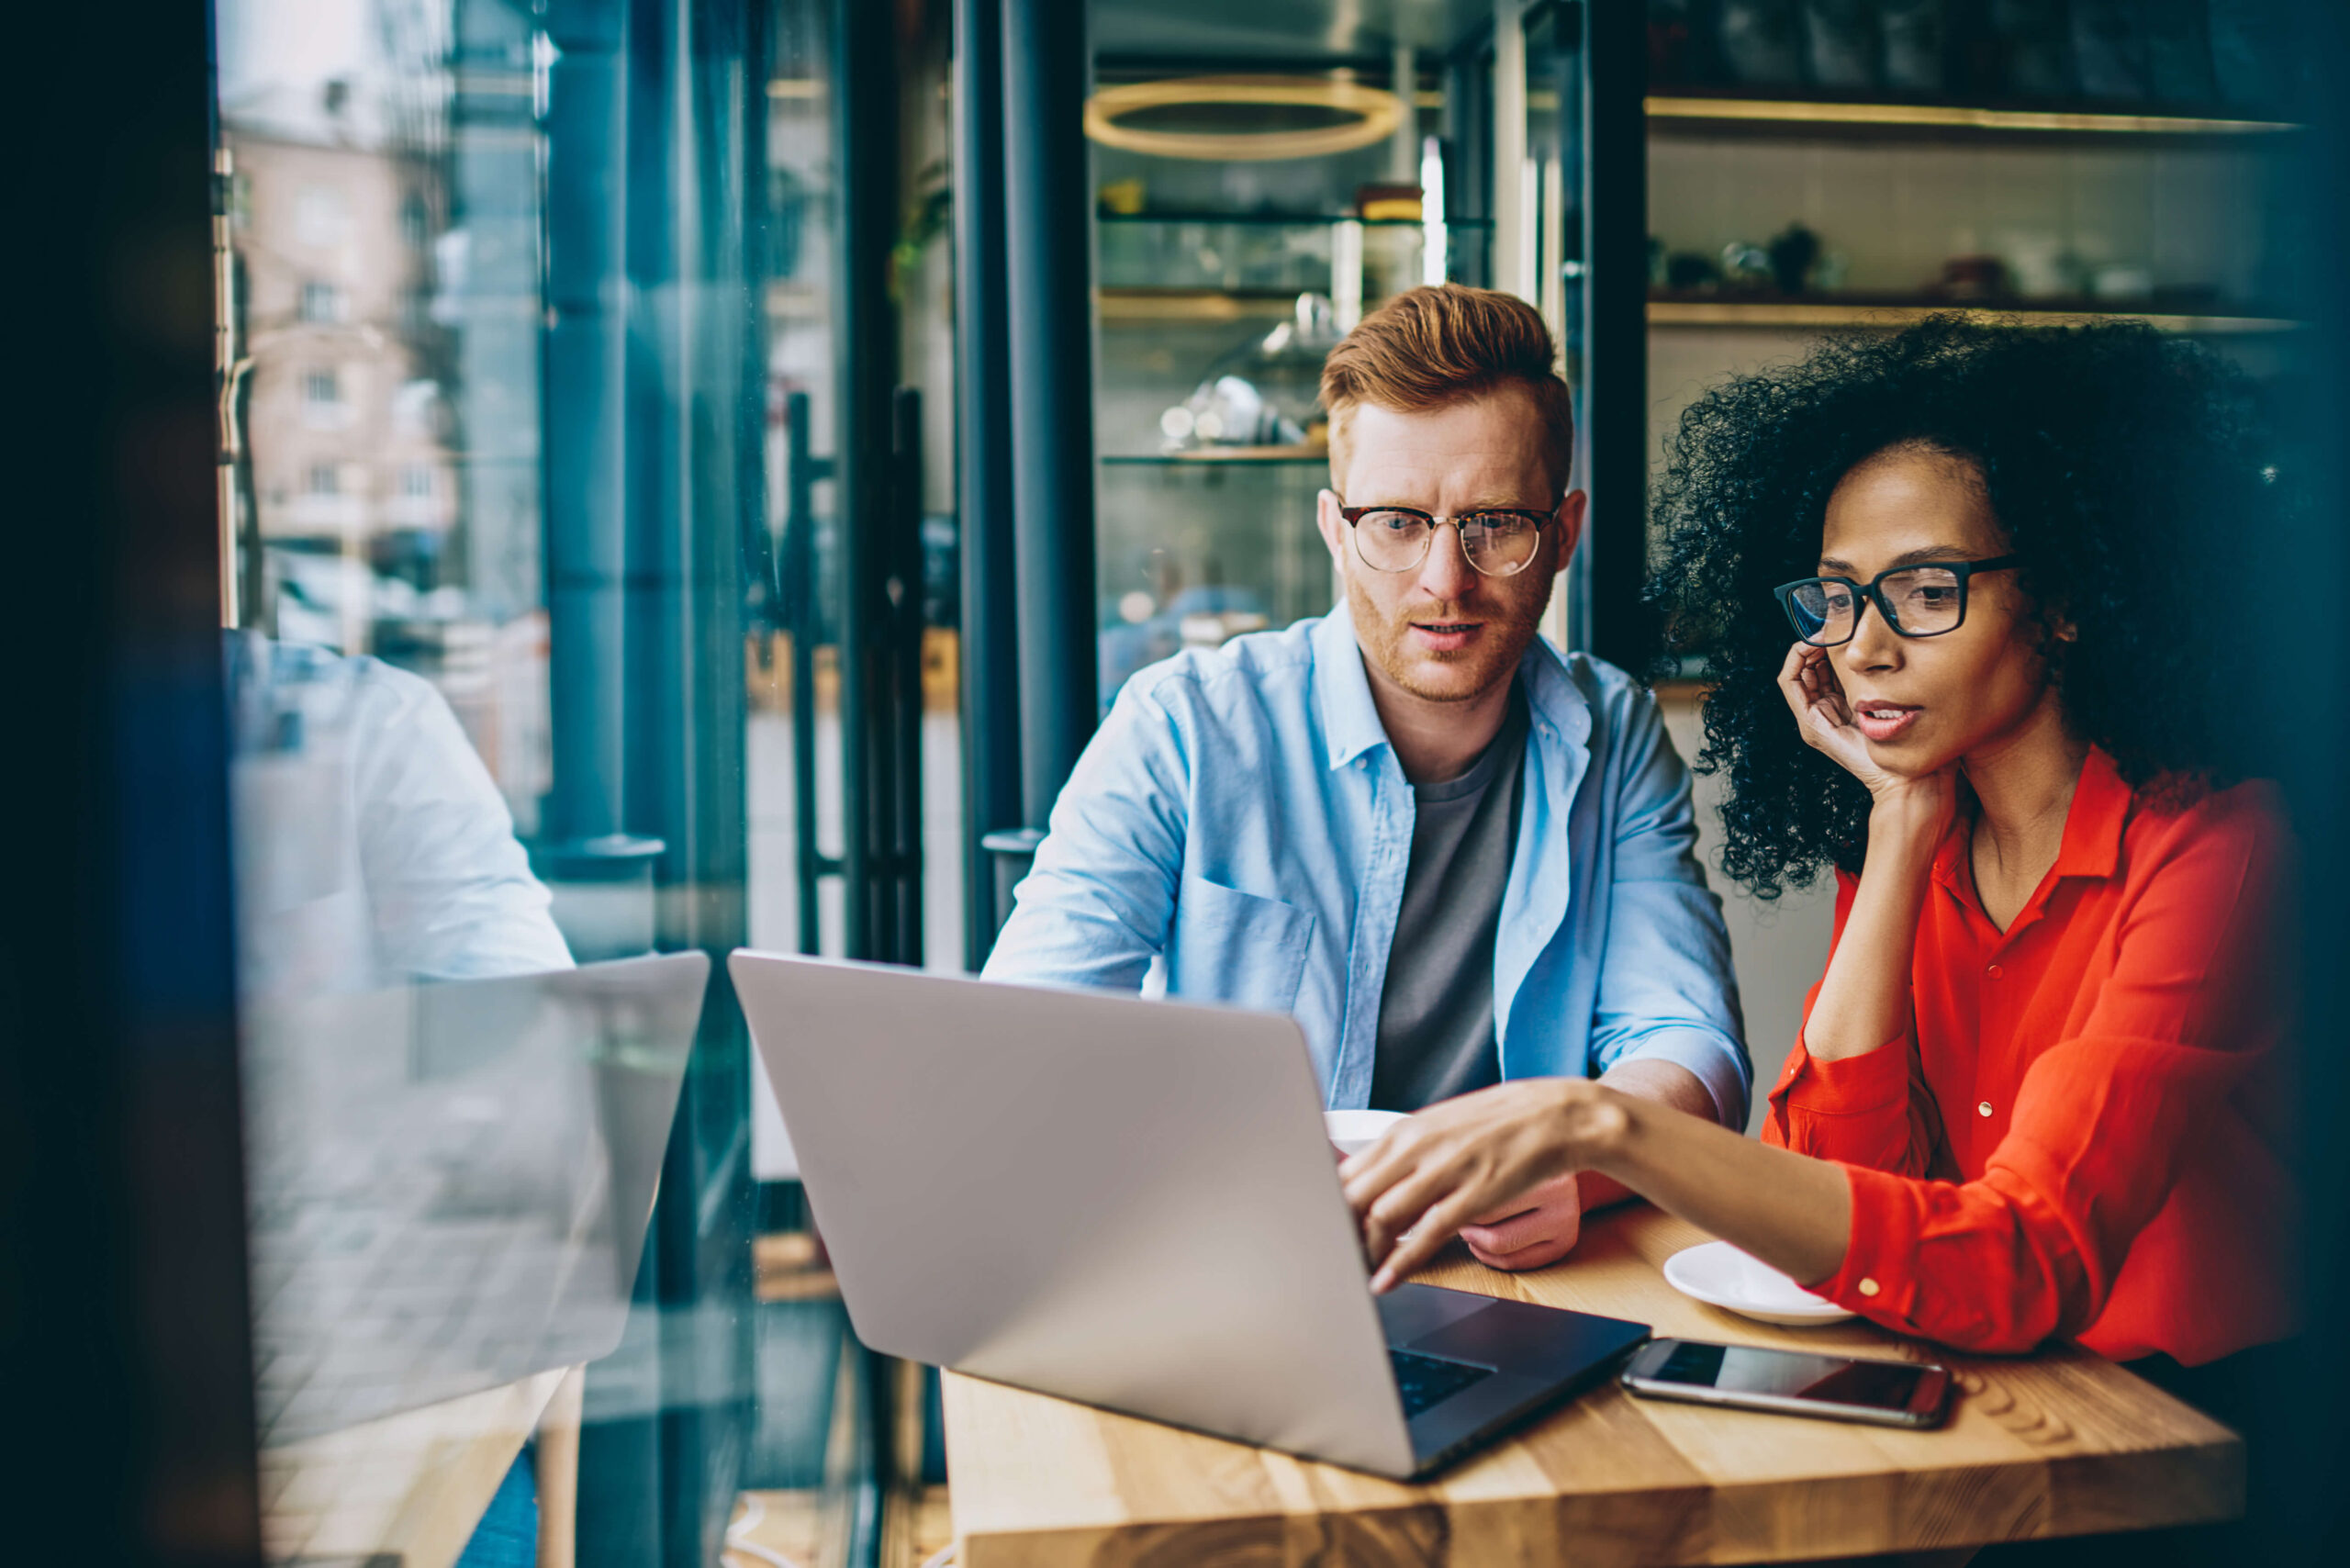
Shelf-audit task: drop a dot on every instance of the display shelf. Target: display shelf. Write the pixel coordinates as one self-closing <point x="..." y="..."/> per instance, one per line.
<point x="1288" y="221"/>
<point x="1219" y="455"/>
<point x="1193" y="304"/>
<point x="1821" y="314"/>
<point x="1709" y="114"/>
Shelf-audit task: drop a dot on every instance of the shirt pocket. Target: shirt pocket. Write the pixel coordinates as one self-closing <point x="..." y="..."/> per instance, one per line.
<point x="1236" y="948"/>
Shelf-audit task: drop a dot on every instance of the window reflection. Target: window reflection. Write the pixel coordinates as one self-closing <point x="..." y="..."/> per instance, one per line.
<point x="489" y="457"/>
<point x="372" y="846"/>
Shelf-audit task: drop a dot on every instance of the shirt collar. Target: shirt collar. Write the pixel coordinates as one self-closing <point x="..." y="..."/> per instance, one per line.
<point x="2093" y="827"/>
<point x="1555" y="703"/>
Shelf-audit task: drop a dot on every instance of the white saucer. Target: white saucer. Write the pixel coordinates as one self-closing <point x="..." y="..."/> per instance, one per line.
<point x="1721" y="1275"/>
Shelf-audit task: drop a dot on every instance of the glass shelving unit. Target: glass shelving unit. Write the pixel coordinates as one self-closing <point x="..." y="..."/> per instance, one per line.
<point x="1727" y="112"/>
<point x="1199" y="542"/>
<point x="1829" y="314"/>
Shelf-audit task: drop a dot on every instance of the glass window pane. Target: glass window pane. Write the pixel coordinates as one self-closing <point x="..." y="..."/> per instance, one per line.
<point x="496" y="462"/>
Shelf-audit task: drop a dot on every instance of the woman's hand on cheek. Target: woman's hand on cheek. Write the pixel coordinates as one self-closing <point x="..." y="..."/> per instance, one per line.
<point x="1807" y="680"/>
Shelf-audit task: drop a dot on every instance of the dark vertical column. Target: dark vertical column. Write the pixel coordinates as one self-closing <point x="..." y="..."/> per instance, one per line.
<point x="1567" y="70"/>
<point x="1615" y="296"/>
<point x="585" y="466"/>
<point x="991" y="668"/>
<point x="864" y="143"/>
<point x="2303" y="704"/>
<point x="802" y="468"/>
<point x="588" y="474"/>
<point x="903" y="592"/>
<point x="122" y="1278"/>
<point x="1048" y="204"/>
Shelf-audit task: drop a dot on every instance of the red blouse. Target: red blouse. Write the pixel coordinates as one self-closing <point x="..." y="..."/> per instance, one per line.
<point x="2083" y="1133"/>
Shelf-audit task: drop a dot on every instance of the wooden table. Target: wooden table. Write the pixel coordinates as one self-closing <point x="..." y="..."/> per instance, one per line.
<point x="407" y="1489"/>
<point x="2061" y="1443"/>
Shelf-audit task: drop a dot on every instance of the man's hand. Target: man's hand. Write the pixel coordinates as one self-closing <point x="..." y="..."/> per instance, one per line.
<point x="1538" y="1229"/>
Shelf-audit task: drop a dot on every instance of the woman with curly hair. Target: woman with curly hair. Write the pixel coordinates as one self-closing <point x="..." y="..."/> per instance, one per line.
<point x="1969" y="599"/>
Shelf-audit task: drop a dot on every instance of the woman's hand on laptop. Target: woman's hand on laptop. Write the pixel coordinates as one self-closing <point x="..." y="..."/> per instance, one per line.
<point x="1476" y="1163"/>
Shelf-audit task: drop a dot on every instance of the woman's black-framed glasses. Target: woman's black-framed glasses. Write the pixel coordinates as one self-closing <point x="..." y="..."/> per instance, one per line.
<point x="1499" y="540"/>
<point x="1916" y="601"/>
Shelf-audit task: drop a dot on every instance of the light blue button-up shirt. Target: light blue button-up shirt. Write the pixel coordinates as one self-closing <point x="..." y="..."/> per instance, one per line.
<point x="1239" y="829"/>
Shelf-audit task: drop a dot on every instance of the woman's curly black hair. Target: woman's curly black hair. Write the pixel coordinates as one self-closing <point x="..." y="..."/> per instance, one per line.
<point x="2126" y="466"/>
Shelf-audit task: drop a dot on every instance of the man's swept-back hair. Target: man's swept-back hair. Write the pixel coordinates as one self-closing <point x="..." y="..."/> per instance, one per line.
<point x="1445" y="343"/>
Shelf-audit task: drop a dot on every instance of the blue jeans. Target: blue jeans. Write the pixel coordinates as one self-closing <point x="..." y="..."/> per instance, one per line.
<point x="507" y="1535"/>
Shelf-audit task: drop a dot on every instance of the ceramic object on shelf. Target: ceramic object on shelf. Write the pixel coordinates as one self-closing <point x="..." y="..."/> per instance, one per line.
<point x="1687" y="270"/>
<point x="1746" y="264"/>
<point x="2122" y="283"/>
<point x="1267" y="392"/>
<point x="1794" y="253"/>
<point x="2039" y="264"/>
<point x="1973" y="278"/>
<point x="1721" y="1275"/>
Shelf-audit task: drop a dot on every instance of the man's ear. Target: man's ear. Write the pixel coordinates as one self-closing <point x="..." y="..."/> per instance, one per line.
<point x="1332" y="526"/>
<point x="1570" y="517"/>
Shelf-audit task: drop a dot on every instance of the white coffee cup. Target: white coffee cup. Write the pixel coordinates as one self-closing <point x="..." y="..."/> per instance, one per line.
<point x="1354" y="1131"/>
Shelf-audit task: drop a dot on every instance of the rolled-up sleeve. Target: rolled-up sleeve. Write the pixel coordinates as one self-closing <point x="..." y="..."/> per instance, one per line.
<point x="1872" y="1109"/>
<point x="1666" y="990"/>
<point x="1095" y="909"/>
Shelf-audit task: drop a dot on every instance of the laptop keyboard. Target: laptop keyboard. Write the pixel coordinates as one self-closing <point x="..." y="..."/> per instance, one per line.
<point x="1427" y="1380"/>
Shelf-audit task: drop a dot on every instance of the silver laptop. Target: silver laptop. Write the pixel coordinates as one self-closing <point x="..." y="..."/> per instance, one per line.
<point x="450" y="1183"/>
<point x="1131" y="1203"/>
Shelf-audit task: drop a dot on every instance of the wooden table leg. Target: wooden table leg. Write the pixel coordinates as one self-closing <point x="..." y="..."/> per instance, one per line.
<point x="557" y="1471"/>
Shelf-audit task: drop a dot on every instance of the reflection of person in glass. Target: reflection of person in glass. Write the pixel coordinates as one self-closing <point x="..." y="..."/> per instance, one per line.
<point x="2041" y="1089"/>
<point x="1456" y="856"/>
<point x="372" y="848"/>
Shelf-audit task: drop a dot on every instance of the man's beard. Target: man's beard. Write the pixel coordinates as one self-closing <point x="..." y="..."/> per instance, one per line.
<point x="1509" y="631"/>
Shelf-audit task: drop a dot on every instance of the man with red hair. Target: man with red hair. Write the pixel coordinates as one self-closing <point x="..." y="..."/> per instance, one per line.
<point x="1453" y="853"/>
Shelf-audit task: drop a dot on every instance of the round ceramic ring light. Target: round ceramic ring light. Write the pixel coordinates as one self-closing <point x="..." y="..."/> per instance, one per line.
<point x="1377" y="112"/>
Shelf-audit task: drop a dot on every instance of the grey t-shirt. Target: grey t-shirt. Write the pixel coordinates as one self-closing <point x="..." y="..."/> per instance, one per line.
<point x="1436" y="1012"/>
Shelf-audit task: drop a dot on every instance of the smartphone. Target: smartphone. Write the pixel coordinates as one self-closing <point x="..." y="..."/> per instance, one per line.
<point x="1891" y="1393"/>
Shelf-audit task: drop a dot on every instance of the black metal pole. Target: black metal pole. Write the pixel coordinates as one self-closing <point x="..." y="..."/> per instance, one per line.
<point x="864" y="149"/>
<point x="1048" y="231"/>
<point x="989" y="656"/>
<point x="801" y="470"/>
<point x="1615" y="409"/>
<point x="905" y="590"/>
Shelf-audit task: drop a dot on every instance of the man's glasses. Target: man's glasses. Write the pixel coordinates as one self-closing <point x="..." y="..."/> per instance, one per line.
<point x="1916" y="601"/>
<point x="1498" y="542"/>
